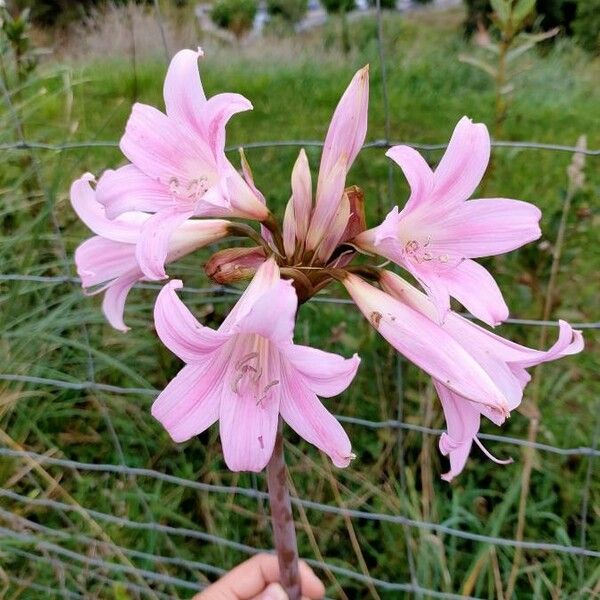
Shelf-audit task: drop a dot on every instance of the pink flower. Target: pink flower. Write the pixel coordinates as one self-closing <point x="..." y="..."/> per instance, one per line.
<point x="248" y="373"/>
<point x="179" y="168"/>
<point x="345" y="137"/>
<point x="504" y="361"/>
<point x="438" y="232"/>
<point x="107" y="261"/>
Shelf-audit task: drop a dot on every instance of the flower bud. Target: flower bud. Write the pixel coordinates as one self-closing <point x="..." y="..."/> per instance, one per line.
<point x="234" y="264"/>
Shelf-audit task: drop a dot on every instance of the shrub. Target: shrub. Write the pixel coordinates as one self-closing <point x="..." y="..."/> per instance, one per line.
<point x="236" y="16"/>
<point x="586" y="26"/>
<point x="389" y="4"/>
<point x="551" y="13"/>
<point x="291" y="11"/>
<point x="338" y="6"/>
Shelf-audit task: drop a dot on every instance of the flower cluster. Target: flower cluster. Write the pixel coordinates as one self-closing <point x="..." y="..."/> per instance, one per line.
<point x="179" y="193"/>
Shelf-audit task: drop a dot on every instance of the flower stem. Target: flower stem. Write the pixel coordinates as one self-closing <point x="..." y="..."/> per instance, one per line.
<point x="284" y="532"/>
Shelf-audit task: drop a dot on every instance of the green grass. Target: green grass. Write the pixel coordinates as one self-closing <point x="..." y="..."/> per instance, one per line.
<point x="44" y="326"/>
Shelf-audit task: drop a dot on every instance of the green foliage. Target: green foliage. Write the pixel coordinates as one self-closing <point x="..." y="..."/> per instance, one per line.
<point x="550" y="13"/>
<point x="586" y="26"/>
<point x="14" y="39"/>
<point x="237" y="16"/>
<point x="385" y="4"/>
<point x="290" y="11"/>
<point x="334" y="7"/>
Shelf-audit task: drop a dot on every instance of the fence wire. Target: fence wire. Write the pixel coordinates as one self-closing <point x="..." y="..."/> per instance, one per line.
<point x="28" y="539"/>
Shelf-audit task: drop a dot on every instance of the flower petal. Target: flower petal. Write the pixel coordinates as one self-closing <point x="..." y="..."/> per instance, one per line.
<point x="462" y="167"/>
<point x="348" y="127"/>
<point x="305" y="414"/>
<point x="179" y="330"/>
<point x="182" y="90"/>
<point x="462" y="420"/>
<point x="265" y="279"/>
<point x="190" y="403"/>
<point x="248" y="427"/>
<point x="273" y="315"/>
<point x="164" y="151"/>
<point x="92" y="213"/>
<point x="417" y="172"/>
<point x="425" y="343"/>
<point x="129" y="189"/>
<point x="99" y="260"/>
<point x="113" y="304"/>
<point x="216" y="113"/>
<point x="489" y="227"/>
<point x="289" y="230"/>
<point x="324" y="373"/>
<point x="153" y="246"/>
<point x="474" y="287"/>
<point x="302" y="194"/>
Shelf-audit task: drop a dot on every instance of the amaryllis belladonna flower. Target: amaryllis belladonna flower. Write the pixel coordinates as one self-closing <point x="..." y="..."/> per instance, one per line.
<point x="438" y="232"/>
<point x="249" y="372"/>
<point x="459" y="355"/>
<point x="107" y="262"/>
<point x="178" y="165"/>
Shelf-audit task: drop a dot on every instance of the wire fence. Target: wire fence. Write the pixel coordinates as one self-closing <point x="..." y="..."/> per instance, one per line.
<point x="108" y="563"/>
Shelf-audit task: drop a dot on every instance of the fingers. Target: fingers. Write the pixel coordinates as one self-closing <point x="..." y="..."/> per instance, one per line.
<point x="252" y="580"/>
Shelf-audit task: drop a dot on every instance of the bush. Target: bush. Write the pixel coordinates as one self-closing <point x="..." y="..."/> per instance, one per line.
<point x="586" y="26"/>
<point x="236" y="16"/>
<point x="551" y="13"/>
<point x="389" y="4"/>
<point x="291" y="11"/>
<point x="338" y="6"/>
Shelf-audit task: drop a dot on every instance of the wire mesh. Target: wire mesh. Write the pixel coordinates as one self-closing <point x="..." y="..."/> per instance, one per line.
<point x="27" y="538"/>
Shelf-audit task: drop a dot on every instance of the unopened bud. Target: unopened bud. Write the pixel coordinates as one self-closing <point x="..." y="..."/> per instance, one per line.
<point x="234" y="264"/>
<point x="357" y="222"/>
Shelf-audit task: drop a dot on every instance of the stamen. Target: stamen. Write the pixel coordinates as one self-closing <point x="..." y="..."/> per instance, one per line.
<point x="498" y="461"/>
<point x="245" y="359"/>
<point x="265" y="391"/>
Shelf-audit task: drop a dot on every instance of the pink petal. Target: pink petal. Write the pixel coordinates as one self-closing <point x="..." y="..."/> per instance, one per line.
<point x="462" y="419"/>
<point x="336" y="230"/>
<point x="129" y="189"/>
<point x="488" y="227"/>
<point x="425" y="343"/>
<point x="244" y="203"/>
<point x="92" y="213"/>
<point x="215" y="116"/>
<point x="190" y="403"/>
<point x="348" y="128"/>
<point x="153" y="246"/>
<point x="267" y="276"/>
<point x="305" y="414"/>
<point x="248" y="425"/>
<point x="417" y="172"/>
<point x="183" y="93"/>
<point x="324" y="373"/>
<point x="289" y="230"/>
<point x="179" y="330"/>
<point x="329" y="196"/>
<point x="477" y="291"/>
<point x="166" y="152"/>
<point x="273" y="315"/>
<point x="301" y="194"/>
<point x="462" y="167"/>
<point x="99" y="260"/>
<point x="113" y="304"/>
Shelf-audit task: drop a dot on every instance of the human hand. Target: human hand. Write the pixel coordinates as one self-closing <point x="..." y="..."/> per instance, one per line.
<point x="257" y="579"/>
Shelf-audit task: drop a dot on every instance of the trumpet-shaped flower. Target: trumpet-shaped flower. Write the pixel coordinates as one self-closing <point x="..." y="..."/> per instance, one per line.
<point x="107" y="262"/>
<point x="249" y="372"/>
<point x="438" y="232"/>
<point x="505" y="362"/>
<point x="178" y="165"/>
